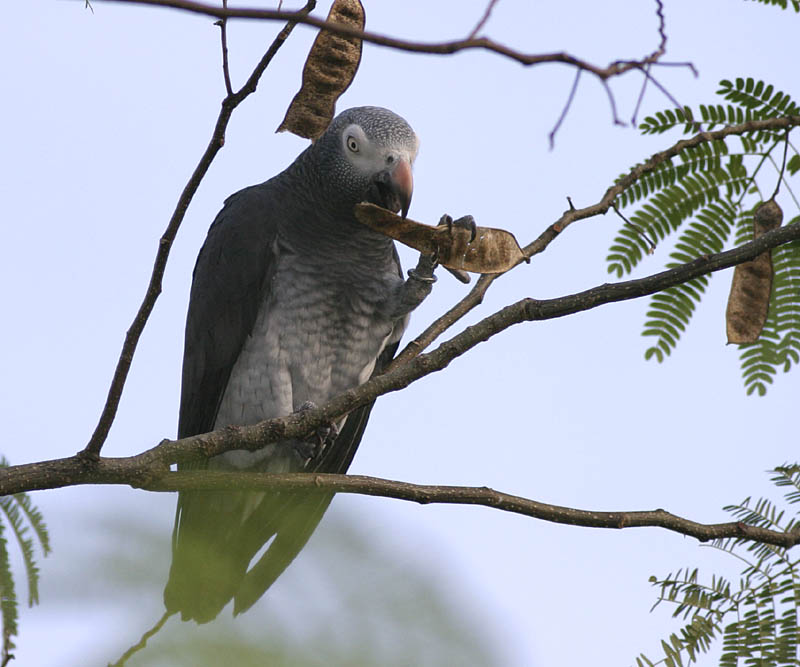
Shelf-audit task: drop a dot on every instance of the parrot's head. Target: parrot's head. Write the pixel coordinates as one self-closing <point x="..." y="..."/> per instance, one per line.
<point x="368" y="153"/>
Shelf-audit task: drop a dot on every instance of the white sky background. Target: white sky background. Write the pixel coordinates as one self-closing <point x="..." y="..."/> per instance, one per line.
<point x="105" y="116"/>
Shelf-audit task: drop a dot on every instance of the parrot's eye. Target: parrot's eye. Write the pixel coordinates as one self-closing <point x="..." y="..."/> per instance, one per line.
<point x="390" y="159"/>
<point x="352" y="144"/>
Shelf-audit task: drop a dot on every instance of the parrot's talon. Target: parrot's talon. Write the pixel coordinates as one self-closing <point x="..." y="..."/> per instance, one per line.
<point x="324" y="435"/>
<point x="465" y="222"/>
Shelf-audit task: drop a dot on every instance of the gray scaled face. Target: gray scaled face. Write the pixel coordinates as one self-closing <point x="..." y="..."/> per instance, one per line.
<point x="374" y="151"/>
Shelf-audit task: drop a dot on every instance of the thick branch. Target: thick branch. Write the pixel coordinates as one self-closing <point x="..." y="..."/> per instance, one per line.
<point x="471" y="495"/>
<point x="136" y="472"/>
<point x="83" y="470"/>
<point x="165" y="243"/>
<point x="439" y="48"/>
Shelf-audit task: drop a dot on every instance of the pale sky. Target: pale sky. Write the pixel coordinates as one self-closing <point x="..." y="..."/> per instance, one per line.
<point x="105" y="117"/>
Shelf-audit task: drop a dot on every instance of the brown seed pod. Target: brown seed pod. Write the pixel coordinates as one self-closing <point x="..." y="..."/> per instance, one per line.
<point x="491" y="251"/>
<point x="329" y="70"/>
<point x="748" y="303"/>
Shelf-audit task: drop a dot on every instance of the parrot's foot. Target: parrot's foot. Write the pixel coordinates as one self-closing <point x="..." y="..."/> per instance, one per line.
<point x="413" y="291"/>
<point x="465" y="222"/>
<point x="324" y="435"/>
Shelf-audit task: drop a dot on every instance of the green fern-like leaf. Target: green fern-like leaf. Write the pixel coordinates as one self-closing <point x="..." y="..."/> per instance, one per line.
<point x="706" y="194"/>
<point x="20" y="514"/>
<point x="754" y="99"/>
<point x="761" y="98"/>
<point x="671" y="310"/>
<point x="664" y="121"/>
<point x="665" y="212"/>
<point x="12" y="514"/>
<point x="756" y="619"/>
<point x="35" y="519"/>
<point x="8" y="599"/>
<point x="783" y="4"/>
<point x="788" y="476"/>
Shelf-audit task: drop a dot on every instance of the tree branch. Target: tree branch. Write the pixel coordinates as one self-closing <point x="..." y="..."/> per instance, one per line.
<point x="223" y="31"/>
<point x="142" y="469"/>
<point x="440" y="48"/>
<point x="134" y="472"/>
<point x="133" y="334"/>
<point x="475" y="297"/>
<point x="471" y="495"/>
<point x="484" y="19"/>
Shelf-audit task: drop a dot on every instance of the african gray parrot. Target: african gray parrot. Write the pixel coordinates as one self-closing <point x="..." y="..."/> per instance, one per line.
<point x="293" y="301"/>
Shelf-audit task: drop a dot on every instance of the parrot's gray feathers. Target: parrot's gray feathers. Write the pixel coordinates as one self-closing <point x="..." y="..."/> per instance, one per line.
<point x="292" y="301"/>
<point x="229" y="279"/>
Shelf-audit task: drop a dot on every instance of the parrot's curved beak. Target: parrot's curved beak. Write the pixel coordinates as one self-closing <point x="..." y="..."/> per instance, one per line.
<point x="403" y="183"/>
<point x="392" y="188"/>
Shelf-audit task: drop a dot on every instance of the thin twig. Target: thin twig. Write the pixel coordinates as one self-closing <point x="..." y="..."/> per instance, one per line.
<point x="785" y="183"/>
<point x="565" y="110"/>
<point x="752" y="178"/>
<point x="638" y="230"/>
<point x="662" y="28"/>
<point x="656" y="55"/>
<point x="783" y="165"/>
<point x="138" y="646"/>
<point x="667" y="94"/>
<point x="165" y="243"/>
<point x="223" y="31"/>
<point x="682" y="63"/>
<point x="473" y="299"/>
<point x="612" y="103"/>
<point x="641" y="95"/>
<point x="484" y="19"/>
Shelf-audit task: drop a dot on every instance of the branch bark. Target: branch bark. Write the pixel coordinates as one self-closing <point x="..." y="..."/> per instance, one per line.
<point x="615" y="68"/>
<point x="136" y="472"/>
<point x="144" y="468"/>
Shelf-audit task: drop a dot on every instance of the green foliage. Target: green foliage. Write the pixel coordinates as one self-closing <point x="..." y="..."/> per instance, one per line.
<point x="704" y="199"/>
<point x="756" y="617"/>
<point x="20" y="515"/>
<point x="783" y="4"/>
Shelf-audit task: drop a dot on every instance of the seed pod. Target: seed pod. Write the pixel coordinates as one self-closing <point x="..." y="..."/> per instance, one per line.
<point x="748" y="303"/>
<point x="329" y="70"/>
<point x="491" y="251"/>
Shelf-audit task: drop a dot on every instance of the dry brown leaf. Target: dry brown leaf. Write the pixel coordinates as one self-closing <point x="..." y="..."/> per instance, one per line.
<point x="748" y="303"/>
<point x="492" y="250"/>
<point x="330" y="67"/>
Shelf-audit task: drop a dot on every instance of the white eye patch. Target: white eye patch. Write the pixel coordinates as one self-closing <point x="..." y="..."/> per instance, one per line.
<point x="354" y="139"/>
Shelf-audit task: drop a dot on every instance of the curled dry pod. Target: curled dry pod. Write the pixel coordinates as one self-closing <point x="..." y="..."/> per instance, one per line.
<point x="330" y="67"/>
<point x="748" y="303"/>
<point x="491" y="251"/>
